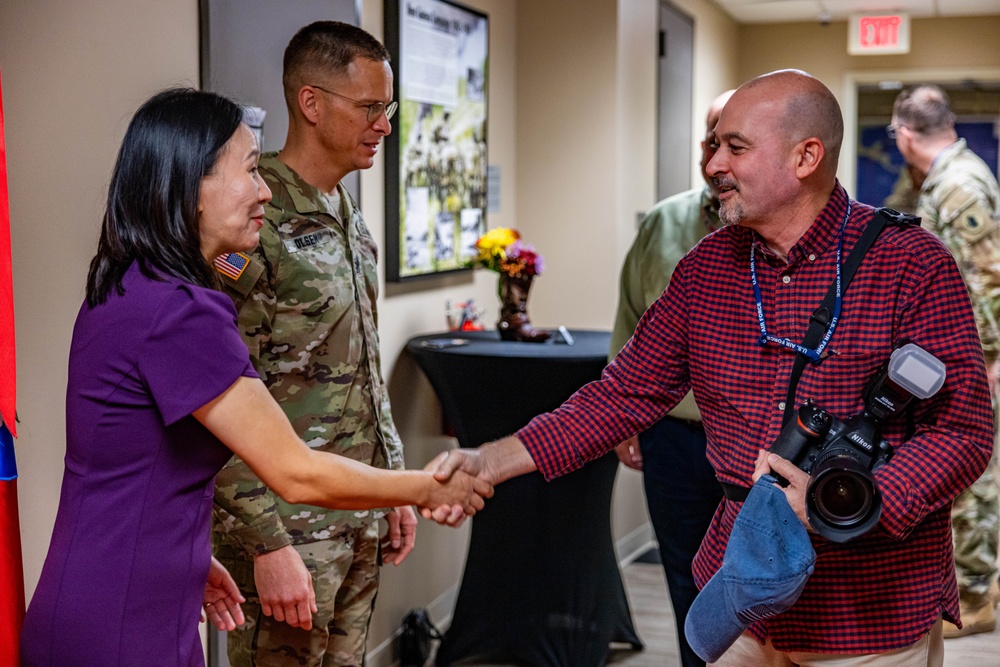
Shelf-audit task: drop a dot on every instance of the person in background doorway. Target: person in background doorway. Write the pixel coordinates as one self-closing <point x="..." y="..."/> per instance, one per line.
<point x="959" y="201"/>
<point x="906" y="191"/>
<point x="682" y="493"/>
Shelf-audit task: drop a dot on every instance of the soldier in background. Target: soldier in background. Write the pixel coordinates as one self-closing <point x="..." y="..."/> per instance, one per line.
<point x="682" y="493"/>
<point x="960" y="202"/>
<point x="306" y="306"/>
<point x="906" y="191"/>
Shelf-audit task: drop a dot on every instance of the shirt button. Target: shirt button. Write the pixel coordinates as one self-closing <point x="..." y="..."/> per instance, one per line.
<point x="812" y="258"/>
<point x="781" y="406"/>
<point x="786" y="279"/>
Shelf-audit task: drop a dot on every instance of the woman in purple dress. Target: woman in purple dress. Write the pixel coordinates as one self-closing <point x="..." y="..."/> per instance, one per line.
<point x="161" y="394"/>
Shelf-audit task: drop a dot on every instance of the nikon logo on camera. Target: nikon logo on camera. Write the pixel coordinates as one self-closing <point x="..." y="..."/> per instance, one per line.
<point x="858" y="440"/>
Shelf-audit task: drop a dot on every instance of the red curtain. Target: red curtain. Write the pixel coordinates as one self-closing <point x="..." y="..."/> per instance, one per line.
<point x="7" y="374"/>
<point x="11" y="571"/>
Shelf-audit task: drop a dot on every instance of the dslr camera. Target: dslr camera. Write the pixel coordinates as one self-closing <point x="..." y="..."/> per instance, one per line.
<point x="842" y="498"/>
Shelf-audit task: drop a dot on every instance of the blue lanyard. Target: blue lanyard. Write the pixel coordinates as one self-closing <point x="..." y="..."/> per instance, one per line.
<point x="813" y="355"/>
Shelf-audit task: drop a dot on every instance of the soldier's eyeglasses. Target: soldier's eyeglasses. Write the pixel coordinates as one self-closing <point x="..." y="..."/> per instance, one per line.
<point x="375" y="109"/>
<point x="892" y="130"/>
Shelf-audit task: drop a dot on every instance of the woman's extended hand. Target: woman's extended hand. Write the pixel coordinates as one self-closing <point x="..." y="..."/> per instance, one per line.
<point x="222" y="598"/>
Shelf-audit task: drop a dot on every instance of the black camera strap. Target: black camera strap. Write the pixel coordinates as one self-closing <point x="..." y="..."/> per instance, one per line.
<point x="820" y="319"/>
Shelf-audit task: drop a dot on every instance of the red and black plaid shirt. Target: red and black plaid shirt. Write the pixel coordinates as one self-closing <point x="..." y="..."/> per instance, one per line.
<point x="880" y="591"/>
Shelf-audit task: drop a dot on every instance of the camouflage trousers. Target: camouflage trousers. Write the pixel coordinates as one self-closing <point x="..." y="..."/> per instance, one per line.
<point x="345" y="571"/>
<point x="975" y="522"/>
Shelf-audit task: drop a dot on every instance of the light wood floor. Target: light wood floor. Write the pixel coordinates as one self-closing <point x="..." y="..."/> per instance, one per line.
<point x="654" y="621"/>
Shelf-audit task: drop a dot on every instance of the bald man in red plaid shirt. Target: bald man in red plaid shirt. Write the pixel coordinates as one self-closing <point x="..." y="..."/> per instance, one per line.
<point x="875" y="600"/>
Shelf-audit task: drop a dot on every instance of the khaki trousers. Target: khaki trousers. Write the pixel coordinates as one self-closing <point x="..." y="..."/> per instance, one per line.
<point x="925" y="652"/>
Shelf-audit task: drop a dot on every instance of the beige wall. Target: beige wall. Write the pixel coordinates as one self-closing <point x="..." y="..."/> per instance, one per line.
<point x="73" y="73"/>
<point x="566" y="133"/>
<point x="822" y="50"/>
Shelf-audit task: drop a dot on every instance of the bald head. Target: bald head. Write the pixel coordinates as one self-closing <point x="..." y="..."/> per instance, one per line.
<point x="778" y="140"/>
<point x="804" y="108"/>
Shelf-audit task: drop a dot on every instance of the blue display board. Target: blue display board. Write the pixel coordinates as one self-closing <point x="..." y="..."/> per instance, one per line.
<point x="880" y="166"/>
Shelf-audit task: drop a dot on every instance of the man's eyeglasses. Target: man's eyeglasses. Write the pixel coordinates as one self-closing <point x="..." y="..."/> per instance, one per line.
<point x="892" y="130"/>
<point x="375" y="109"/>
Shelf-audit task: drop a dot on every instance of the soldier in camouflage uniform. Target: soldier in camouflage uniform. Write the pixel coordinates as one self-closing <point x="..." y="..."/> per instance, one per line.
<point x="960" y="202"/>
<point x="307" y="311"/>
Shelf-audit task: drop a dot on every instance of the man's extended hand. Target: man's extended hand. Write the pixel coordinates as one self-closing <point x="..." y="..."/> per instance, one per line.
<point x="401" y="535"/>
<point x="470" y="461"/>
<point x="798" y="480"/>
<point x="285" y="587"/>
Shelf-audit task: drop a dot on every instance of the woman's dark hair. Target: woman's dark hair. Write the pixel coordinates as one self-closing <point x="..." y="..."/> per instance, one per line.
<point x="173" y="140"/>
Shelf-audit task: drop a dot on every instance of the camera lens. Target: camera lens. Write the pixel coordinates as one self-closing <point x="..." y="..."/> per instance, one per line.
<point x="842" y="498"/>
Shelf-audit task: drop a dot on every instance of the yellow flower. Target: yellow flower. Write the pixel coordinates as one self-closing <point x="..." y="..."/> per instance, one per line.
<point x="494" y="241"/>
<point x="500" y="250"/>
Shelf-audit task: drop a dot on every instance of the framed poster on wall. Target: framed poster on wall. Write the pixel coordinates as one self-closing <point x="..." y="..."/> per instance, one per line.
<point x="435" y="181"/>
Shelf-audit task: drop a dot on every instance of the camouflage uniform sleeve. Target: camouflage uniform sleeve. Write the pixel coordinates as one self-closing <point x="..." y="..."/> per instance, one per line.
<point x="386" y="424"/>
<point x="244" y="506"/>
<point x="972" y="221"/>
<point x="393" y="443"/>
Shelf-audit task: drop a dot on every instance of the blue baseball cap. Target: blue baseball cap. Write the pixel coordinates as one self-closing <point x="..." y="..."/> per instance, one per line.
<point x="768" y="560"/>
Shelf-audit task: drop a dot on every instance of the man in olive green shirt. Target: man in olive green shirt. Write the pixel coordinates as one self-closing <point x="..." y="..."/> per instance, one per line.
<point x="681" y="490"/>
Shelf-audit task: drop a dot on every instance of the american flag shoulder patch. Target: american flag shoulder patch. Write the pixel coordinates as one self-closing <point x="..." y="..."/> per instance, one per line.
<point x="232" y="264"/>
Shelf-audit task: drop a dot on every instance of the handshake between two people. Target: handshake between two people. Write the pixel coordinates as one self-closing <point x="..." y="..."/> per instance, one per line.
<point x="487" y="464"/>
<point x="460" y="491"/>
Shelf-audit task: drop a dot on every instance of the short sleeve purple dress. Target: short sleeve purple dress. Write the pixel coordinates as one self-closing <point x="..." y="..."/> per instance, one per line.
<point x="125" y="573"/>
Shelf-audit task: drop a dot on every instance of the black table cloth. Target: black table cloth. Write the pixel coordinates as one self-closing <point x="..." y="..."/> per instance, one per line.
<point x="541" y="585"/>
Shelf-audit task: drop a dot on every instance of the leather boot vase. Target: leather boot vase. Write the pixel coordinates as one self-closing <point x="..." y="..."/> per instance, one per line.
<point x="514" y="324"/>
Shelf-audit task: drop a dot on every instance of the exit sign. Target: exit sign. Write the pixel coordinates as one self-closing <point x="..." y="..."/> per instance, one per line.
<point x="878" y="34"/>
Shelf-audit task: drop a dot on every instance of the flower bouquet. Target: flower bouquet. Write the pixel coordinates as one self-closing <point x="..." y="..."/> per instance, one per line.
<point x="502" y="250"/>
